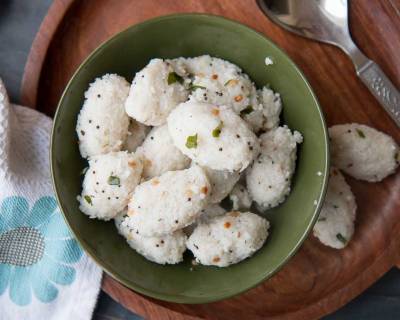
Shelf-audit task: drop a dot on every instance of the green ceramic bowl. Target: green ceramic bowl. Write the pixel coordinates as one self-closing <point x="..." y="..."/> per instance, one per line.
<point x="190" y="35"/>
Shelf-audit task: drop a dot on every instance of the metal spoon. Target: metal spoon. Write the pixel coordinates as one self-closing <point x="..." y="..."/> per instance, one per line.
<point x="327" y="21"/>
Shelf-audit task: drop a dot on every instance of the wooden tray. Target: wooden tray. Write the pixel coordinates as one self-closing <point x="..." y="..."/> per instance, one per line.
<point x="318" y="280"/>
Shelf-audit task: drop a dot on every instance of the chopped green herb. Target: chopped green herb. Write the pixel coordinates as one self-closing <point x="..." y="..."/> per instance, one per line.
<point x="360" y="133"/>
<point x="113" y="180"/>
<point x="84" y="170"/>
<point x="217" y="131"/>
<point x="174" y="77"/>
<point x="321" y="219"/>
<point x="191" y="142"/>
<point x="396" y="156"/>
<point x="335" y="206"/>
<point x="194" y="87"/>
<point x="342" y="239"/>
<point x="88" y="199"/>
<point x="247" y="110"/>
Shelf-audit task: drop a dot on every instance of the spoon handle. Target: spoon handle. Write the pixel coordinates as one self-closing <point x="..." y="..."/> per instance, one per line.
<point x="382" y="88"/>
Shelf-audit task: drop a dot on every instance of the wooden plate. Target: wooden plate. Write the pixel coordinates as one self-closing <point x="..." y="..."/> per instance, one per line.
<point x="318" y="280"/>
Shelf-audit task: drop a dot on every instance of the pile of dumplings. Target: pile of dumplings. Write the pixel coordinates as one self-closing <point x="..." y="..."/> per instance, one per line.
<point x="164" y="151"/>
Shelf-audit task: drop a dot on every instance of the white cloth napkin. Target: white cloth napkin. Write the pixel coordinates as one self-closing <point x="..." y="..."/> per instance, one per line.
<point x="44" y="274"/>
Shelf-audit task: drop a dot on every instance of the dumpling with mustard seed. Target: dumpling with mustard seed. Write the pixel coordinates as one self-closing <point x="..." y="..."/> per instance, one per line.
<point x="169" y="202"/>
<point x="335" y="224"/>
<point x="102" y="124"/>
<point x="220" y="82"/>
<point x="155" y="91"/>
<point x="217" y="81"/>
<point x="109" y="183"/>
<point x="269" y="177"/>
<point x="166" y="249"/>
<point x="363" y="152"/>
<point x="228" y="239"/>
<point x="213" y="136"/>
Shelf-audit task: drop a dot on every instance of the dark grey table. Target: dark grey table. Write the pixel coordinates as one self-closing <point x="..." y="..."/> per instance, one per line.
<point x="19" y="22"/>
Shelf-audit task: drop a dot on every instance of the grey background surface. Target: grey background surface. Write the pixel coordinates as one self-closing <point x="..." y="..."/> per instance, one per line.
<point x="19" y="22"/>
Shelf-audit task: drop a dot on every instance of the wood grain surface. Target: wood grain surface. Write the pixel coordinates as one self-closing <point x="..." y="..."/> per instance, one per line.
<point x="318" y="280"/>
<point x="37" y="54"/>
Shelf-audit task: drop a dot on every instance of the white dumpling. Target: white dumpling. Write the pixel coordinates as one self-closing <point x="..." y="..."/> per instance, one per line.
<point x="217" y="81"/>
<point x="155" y="91"/>
<point x="363" y="152"/>
<point x="212" y="136"/>
<point x="335" y="225"/>
<point x="269" y="177"/>
<point x="102" y="124"/>
<point x="228" y="239"/>
<point x="169" y="202"/>
<point x="109" y="183"/>
<point x="166" y="249"/>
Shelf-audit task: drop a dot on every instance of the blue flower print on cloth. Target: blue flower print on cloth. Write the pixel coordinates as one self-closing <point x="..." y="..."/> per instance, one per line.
<point x="37" y="250"/>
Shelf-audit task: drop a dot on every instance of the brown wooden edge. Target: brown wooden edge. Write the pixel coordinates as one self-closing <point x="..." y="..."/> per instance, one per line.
<point x="37" y="54"/>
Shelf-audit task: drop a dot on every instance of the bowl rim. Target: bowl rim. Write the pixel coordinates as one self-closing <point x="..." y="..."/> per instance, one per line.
<point x="177" y="298"/>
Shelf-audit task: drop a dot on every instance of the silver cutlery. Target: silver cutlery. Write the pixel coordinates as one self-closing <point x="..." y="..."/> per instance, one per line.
<point x="327" y="21"/>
